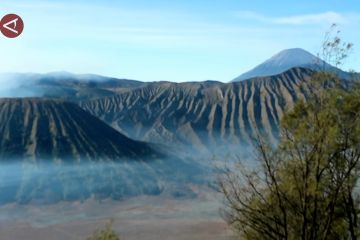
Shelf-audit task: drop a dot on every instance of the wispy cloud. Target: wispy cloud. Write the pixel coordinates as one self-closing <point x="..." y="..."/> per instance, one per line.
<point x="304" y="19"/>
<point x="327" y="18"/>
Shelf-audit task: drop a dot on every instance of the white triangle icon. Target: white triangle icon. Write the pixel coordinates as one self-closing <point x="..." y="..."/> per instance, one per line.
<point x="12" y="22"/>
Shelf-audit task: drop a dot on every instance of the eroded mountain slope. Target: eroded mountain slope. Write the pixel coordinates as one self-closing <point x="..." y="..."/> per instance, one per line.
<point x="51" y="129"/>
<point x="203" y="114"/>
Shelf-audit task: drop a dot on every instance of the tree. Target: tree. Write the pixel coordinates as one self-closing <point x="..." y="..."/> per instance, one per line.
<point x="305" y="186"/>
<point x="105" y="234"/>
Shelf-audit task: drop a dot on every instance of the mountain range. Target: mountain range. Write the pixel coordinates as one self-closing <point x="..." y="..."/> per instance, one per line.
<point x="197" y="115"/>
<point x="153" y="136"/>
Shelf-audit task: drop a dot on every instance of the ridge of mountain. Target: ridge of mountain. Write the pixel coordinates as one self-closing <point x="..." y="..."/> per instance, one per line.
<point x="63" y="85"/>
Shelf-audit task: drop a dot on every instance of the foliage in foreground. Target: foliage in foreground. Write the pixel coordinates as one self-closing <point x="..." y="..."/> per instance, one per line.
<point x="105" y="234"/>
<point x="306" y="187"/>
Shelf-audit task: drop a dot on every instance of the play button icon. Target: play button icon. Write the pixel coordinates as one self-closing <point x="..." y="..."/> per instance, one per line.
<point x="11" y="25"/>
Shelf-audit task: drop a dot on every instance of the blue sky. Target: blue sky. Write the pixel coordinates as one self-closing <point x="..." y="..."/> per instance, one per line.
<point x="176" y="40"/>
